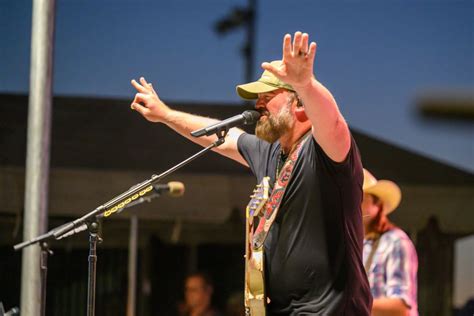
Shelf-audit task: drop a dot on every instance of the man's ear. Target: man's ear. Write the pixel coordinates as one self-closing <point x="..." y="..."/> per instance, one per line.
<point x="380" y="207"/>
<point x="300" y="114"/>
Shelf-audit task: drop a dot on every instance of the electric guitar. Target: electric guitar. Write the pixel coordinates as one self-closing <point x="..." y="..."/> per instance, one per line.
<point x="254" y="293"/>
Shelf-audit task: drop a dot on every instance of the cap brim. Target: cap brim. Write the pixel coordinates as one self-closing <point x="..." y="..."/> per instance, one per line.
<point x="388" y="192"/>
<point x="250" y="91"/>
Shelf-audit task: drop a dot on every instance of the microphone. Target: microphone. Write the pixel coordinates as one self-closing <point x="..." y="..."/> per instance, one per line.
<point x="173" y="188"/>
<point x="246" y="118"/>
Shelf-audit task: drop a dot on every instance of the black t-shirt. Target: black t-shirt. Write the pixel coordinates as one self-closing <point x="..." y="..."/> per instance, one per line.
<point x="313" y="252"/>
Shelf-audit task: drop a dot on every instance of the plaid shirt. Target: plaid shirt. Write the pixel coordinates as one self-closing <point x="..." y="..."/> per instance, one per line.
<point x="394" y="267"/>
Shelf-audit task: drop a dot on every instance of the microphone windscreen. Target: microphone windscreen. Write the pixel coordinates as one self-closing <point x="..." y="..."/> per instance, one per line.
<point x="176" y="188"/>
<point x="251" y="117"/>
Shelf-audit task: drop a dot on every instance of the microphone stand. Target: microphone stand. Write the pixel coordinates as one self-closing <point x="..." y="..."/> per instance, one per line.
<point x="42" y="240"/>
<point x="94" y="238"/>
<point x="45" y="251"/>
<point x="115" y="205"/>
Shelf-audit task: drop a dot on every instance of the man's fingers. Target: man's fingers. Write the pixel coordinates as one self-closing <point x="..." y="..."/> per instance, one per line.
<point x="144" y="82"/>
<point x="304" y="43"/>
<point x="271" y="68"/>
<point x="141" y="98"/>
<point x="297" y="43"/>
<point x="153" y="90"/>
<point x="312" y="50"/>
<point x="287" y="46"/>
<point x="138" y="86"/>
<point x="268" y="66"/>
<point x="139" y="108"/>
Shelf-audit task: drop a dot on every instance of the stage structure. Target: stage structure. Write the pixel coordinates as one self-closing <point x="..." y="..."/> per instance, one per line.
<point x="38" y="153"/>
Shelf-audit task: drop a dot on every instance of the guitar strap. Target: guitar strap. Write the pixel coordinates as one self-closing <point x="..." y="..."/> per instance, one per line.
<point x="370" y="258"/>
<point x="271" y="207"/>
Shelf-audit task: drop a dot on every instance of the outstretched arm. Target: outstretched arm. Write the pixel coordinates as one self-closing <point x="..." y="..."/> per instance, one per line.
<point x="149" y="105"/>
<point x="328" y="125"/>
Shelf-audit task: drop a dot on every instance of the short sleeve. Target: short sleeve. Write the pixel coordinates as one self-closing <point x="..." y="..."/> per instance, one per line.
<point x="402" y="266"/>
<point x="257" y="153"/>
<point x="345" y="171"/>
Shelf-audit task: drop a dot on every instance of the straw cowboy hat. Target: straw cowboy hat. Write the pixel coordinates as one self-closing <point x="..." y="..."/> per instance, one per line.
<point x="387" y="191"/>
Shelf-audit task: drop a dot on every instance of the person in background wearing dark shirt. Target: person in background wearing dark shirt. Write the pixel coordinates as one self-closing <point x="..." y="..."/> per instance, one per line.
<point x="198" y="289"/>
<point x="313" y="251"/>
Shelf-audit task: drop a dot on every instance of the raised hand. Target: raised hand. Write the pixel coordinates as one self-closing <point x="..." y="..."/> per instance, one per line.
<point x="296" y="68"/>
<point x="147" y="102"/>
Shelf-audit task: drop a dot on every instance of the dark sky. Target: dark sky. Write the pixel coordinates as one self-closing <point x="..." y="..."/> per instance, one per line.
<point x="375" y="56"/>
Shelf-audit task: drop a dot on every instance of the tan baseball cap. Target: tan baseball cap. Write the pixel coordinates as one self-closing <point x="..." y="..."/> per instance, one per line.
<point x="267" y="82"/>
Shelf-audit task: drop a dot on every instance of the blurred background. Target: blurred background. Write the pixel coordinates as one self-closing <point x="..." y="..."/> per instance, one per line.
<point x="401" y="71"/>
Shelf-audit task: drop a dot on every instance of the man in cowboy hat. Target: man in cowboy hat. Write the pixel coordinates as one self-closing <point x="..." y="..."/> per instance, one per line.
<point x="313" y="250"/>
<point x="389" y="255"/>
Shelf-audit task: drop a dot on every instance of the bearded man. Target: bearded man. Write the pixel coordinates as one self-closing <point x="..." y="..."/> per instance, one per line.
<point x="313" y="250"/>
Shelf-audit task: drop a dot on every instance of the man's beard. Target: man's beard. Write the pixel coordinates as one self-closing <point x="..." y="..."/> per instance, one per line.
<point x="275" y="126"/>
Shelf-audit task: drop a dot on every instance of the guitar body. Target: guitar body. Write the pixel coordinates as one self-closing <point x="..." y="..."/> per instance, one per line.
<point x="254" y="293"/>
<point x="255" y="286"/>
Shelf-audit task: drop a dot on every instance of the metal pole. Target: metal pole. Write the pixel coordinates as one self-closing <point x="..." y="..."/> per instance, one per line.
<point x="37" y="160"/>
<point x="92" y="273"/>
<point x="132" y="266"/>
